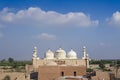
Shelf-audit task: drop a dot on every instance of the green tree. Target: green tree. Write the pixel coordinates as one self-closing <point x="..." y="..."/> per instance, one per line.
<point x="10" y="60"/>
<point x="3" y="60"/>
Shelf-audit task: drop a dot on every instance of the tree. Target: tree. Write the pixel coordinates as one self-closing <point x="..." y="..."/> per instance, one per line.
<point x="3" y="60"/>
<point x="10" y="60"/>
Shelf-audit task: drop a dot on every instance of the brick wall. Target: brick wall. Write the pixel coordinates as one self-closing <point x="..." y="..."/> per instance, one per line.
<point x="53" y="72"/>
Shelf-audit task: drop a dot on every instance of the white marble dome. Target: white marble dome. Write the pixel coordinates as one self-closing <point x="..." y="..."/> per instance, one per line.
<point x="60" y="54"/>
<point x="72" y="54"/>
<point x="49" y="54"/>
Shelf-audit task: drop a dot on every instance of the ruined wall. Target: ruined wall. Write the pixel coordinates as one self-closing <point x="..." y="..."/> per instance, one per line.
<point x="13" y="75"/>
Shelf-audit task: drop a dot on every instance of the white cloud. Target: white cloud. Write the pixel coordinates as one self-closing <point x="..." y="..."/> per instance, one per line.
<point x="34" y="16"/>
<point x="1" y="35"/>
<point x="115" y="19"/>
<point x="46" y="36"/>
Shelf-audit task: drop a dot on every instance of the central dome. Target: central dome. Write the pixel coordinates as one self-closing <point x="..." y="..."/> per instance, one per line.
<point x="72" y="54"/>
<point x="60" y="54"/>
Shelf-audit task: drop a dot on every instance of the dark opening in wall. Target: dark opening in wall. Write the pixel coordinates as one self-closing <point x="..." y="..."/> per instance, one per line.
<point x="62" y="73"/>
<point x="74" y="73"/>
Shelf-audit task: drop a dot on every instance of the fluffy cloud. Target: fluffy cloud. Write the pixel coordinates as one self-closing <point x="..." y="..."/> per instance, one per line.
<point x="46" y="36"/>
<point x="115" y="19"/>
<point x="34" y="16"/>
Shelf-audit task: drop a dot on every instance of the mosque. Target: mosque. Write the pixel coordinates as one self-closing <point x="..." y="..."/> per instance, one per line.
<point x="58" y="64"/>
<point x="60" y="57"/>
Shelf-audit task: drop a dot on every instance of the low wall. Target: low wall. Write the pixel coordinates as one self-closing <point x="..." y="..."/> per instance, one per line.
<point x="13" y="75"/>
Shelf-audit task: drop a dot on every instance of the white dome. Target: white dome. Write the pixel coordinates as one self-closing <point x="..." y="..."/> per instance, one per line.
<point x="60" y="54"/>
<point x="49" y="54"/>
<point x="72" y="54"/>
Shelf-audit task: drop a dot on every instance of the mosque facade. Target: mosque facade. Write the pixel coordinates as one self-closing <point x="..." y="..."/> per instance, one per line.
<point x="60" y="58"/>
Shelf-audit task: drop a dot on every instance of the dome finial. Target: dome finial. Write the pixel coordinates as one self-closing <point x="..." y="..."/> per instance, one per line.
<point x="49" y="49"/>
<point x="60" y="47"/>
<point x="72" y="49"/>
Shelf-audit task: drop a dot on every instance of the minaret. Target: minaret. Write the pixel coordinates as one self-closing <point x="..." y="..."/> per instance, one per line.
<point x="35" y="52"/>
<point x="84" y="53"/>
<point x="34" y="59"/>
<point x="85" y="57"/>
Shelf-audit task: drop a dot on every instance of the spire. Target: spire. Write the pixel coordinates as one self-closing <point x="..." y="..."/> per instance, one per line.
<point x="49" y="50"/>
<point x="71" y="49"/>
<point x="60" y="47"/>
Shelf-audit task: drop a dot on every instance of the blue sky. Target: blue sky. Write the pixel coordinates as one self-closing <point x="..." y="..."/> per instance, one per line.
<point x="59" y="23"/>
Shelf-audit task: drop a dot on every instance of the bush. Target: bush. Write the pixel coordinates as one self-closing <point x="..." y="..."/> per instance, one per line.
<point x="102" y="66"/>
<point x="7" y="77"/>
<point x="89" y="70"/>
